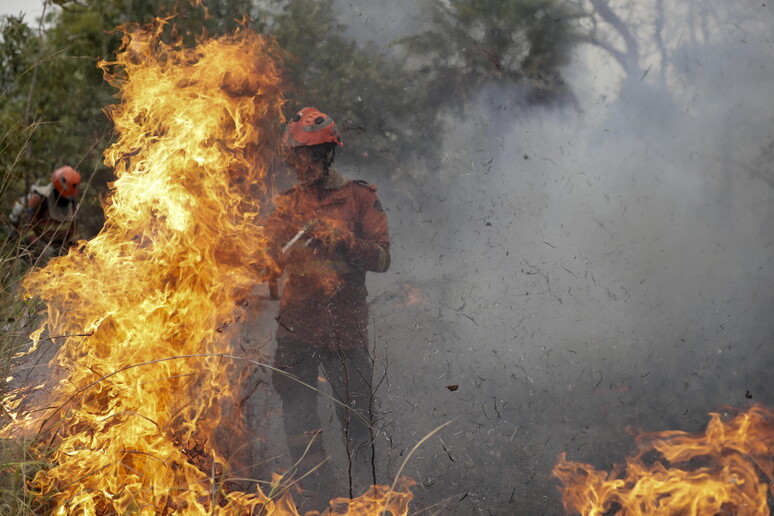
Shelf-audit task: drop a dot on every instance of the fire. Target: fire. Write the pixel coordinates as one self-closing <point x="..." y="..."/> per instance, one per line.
<point x="144" y="309"/>
<point x="414" y="296"/>
<point x="381" y="498"/>
<point x="726" y="470"/>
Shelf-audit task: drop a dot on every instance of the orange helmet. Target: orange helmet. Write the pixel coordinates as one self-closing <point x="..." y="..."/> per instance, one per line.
<point x="66" y="181"/>
<point x="310" y="127"/>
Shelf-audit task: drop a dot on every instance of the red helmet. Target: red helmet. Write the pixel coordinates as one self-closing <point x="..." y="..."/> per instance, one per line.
<point x="310" y="127"/>
<point x="66" y="181"/>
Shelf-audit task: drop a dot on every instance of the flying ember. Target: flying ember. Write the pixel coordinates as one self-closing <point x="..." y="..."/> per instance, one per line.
<point x="144" y="308"/>
<point x="726" y="470"/>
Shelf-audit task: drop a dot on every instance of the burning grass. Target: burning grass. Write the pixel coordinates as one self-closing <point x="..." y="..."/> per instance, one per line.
<point x="143" y="311"/>
<point x="142" y="317"/>
<point x="727" y="470"/>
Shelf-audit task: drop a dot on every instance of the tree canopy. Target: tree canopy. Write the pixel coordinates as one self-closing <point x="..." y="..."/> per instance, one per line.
<point x="468" y="43"/>
<point x="388" y="102"/>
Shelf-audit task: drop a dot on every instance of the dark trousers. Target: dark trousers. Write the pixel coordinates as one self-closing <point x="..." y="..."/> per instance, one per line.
<point x="349" y="373"/>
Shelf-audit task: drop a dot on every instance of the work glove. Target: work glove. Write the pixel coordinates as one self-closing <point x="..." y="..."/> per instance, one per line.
<point x="328" y="234"/>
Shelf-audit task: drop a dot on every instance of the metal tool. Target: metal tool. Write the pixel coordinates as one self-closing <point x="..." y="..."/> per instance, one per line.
<point x="298" y="236"/>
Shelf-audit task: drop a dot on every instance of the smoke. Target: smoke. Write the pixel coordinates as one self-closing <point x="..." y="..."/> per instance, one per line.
<point x="584" y="270"/>
<point x="379" y="23"/>
<point x="567" y="273"/>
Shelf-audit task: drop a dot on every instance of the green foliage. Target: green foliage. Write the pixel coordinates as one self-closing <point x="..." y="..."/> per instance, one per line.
<point x="388" y="104"/>
<point x="369" y="94"/>
<point x="469" y="43"/>
<point x="86" y="32"/>
<point x="18" y="53"/>
<point x="53" y="94"/>
<point x="16" y="47"/>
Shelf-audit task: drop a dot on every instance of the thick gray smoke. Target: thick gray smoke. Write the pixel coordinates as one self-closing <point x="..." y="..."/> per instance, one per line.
<point x="573" y="272"/>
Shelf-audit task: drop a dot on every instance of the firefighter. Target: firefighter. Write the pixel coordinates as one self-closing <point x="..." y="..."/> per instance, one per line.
<point x="327" y="232"/>
<point x="45" y="219"/>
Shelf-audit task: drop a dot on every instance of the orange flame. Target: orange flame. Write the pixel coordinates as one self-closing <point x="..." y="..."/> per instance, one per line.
<point x="145" y="305"/>
<point x="726" y="470"/>
<point x="379" y="500"/>
<point x="414" y="295"/>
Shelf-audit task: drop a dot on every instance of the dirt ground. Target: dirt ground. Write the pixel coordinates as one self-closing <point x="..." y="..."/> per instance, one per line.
<point x="519" y="372"/>
<point x="513" y="406"/>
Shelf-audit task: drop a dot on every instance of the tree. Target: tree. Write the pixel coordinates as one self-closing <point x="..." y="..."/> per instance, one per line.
<point x="392" y="114"/>
<point x="19" y="50"/>
<point x="471" y="43"/>
<point x="374" y="100"/>
<point x="58" y="118"/>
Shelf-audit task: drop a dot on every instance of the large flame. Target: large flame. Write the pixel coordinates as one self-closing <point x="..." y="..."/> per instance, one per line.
<point x="727" y="470"/>
<point x="144" y="308"/>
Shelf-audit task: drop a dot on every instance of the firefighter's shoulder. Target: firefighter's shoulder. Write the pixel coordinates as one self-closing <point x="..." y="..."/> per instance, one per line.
<point x="364" y="184"/>
<point x="34" y="200"/>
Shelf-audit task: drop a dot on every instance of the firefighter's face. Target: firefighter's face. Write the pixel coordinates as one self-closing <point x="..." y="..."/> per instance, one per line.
<point x="309" y="171"/>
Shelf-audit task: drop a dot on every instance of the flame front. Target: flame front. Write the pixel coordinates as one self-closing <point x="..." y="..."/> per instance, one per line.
<point x="726" y="470"/>
<point x="145" y="306"/>
<point x="144" y="299"/>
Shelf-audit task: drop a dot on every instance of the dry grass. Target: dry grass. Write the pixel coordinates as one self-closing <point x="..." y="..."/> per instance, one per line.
<point x="19" y="460"/>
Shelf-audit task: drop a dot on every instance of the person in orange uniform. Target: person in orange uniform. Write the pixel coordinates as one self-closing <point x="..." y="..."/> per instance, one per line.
<point x="45" y="218"/>
<point x="326" y="233"/>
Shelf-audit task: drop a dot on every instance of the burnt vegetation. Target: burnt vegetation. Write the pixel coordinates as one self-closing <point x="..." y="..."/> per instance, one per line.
<point x="568" y="261"/>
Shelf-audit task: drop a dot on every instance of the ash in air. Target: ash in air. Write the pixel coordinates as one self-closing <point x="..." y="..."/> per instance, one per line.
<point x="571" y="271"/>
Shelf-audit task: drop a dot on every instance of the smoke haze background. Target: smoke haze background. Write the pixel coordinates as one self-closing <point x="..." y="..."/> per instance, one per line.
<point x="581" y="269"/>
<point x="572" y="270"/>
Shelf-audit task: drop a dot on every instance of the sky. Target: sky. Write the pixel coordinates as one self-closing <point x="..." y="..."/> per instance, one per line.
<point x="31" y="8"/>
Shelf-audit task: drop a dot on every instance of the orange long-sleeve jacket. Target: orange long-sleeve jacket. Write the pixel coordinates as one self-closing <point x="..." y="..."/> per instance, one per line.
<point x="323" y="300"/>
